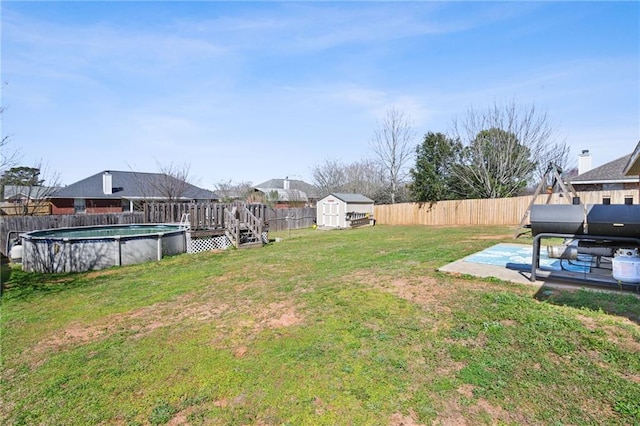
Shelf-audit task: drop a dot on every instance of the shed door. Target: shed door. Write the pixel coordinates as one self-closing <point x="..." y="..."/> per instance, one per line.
<point x="330" y="214"/>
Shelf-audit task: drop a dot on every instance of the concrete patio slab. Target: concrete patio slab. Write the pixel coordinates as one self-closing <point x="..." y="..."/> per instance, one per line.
<point x="520" y="273"/>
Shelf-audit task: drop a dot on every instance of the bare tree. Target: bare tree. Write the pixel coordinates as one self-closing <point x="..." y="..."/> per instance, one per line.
<point x="173" y="180"/>
<point x="365" y="177"/>
<point x="504" y="146"/>
<point x="170" y="183"/>
<point x="230" y="191"/>
<point x="270" y="198"/>
<point x="329" y="176"/>
<point x="393" y="146"/>
<point x="8" y="157"/>
<point x="30" y="189"/>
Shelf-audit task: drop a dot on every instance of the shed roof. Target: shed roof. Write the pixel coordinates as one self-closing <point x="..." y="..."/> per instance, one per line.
<point x="132" y="185"/>
<point x="611" y="172"/>
<point x="351" y="198"/>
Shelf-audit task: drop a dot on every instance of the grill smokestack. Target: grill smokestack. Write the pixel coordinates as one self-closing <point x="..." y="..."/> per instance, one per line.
<point x="584" y="162"/>
<point x="107" y="183"/>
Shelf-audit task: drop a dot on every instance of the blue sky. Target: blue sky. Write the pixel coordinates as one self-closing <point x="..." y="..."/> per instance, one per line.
<point x="249" y="91"/>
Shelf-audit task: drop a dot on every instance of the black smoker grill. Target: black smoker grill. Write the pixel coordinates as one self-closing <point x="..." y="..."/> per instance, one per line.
<point x="598" y="226"/>
<point x="616" y="220"/>
<point x="557" y="219"/>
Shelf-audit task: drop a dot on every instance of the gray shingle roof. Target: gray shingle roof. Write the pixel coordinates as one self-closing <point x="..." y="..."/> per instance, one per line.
<point x="131" y="185"/>
<point x="352" y="198"/>
<point x="31" y="192"/>
<point x="612" y="171"/>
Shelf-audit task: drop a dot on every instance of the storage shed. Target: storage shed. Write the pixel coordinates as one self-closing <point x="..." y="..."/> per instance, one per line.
<point x="339" y="210"/>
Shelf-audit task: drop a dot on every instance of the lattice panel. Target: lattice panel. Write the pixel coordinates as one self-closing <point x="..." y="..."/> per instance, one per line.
<point x="197" y="245"/>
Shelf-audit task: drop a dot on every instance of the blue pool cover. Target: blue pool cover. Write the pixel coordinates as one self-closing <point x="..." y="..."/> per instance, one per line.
<point x="515" y="256"/>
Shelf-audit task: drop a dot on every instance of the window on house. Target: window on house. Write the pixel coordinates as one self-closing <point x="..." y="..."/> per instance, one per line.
<point x="611" y="186"/>
<point x="79" y="205"/>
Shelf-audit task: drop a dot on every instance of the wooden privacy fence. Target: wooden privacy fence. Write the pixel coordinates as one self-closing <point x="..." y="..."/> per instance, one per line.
<point x="293" y="218"/>
<point x="496" y="211"/>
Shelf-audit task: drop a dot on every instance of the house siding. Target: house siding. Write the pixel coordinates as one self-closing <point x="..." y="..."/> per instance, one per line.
<point x="93" y="206"/>
<point x="104" y="206"/>
<point x="606" y="186"/>
<point x="62" y="206"/>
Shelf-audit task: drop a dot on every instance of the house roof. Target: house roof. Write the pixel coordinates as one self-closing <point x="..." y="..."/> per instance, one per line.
<point x="309" y="190"/>
<point x="133" y="185"/>
<point x="351" y="198"/>
<point x="632" y="168"/>
<point x="611" y="172"/>
<point x="30" y="192"/>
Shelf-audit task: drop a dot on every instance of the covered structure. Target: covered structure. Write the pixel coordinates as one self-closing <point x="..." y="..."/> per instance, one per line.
<point x="339" y="210"/>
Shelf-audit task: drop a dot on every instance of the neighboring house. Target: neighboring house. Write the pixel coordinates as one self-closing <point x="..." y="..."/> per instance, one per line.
<point x="608" y="177"/>
<point x="632" y="168"/>
<point x="19" y="200"/>
<point x="339" y="210"/>
<point x="288" y="192"/>
<point x="116" y="191"/>
<point x="16" y="194"/>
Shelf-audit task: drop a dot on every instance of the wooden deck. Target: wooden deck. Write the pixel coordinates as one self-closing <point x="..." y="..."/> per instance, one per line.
<point x="200" y="233"/>
<point x="243" y="224"/>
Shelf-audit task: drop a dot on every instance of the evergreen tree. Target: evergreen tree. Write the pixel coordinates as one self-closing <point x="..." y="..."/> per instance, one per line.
<point x="432" y="180"/>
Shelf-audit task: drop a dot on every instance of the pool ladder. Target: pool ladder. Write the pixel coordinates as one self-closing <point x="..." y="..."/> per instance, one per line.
<point x="185" y="223"/>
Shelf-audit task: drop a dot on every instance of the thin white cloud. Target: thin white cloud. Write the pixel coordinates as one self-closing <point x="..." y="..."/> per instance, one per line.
<point x="81" y="47"/>
<point x="304" y="27"/>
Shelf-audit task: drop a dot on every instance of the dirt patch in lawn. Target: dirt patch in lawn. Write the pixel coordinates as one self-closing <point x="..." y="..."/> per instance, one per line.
<point x="409" y="420"/>
<point x="140" y="322"/>
<point x="466" y="410"/>
<point x="424" y="291"/>
<point x="614" y="334"/>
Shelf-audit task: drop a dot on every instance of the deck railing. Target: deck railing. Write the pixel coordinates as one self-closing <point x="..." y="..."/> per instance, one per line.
<point x="254" y="225"/>
<point x="201" y="215"/>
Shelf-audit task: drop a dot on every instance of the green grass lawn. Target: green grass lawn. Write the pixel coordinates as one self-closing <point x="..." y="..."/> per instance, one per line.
<point x="350" y="327"/>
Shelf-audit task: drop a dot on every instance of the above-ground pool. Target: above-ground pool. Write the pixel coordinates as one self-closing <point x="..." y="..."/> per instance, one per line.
<point x="97" y="247"/>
